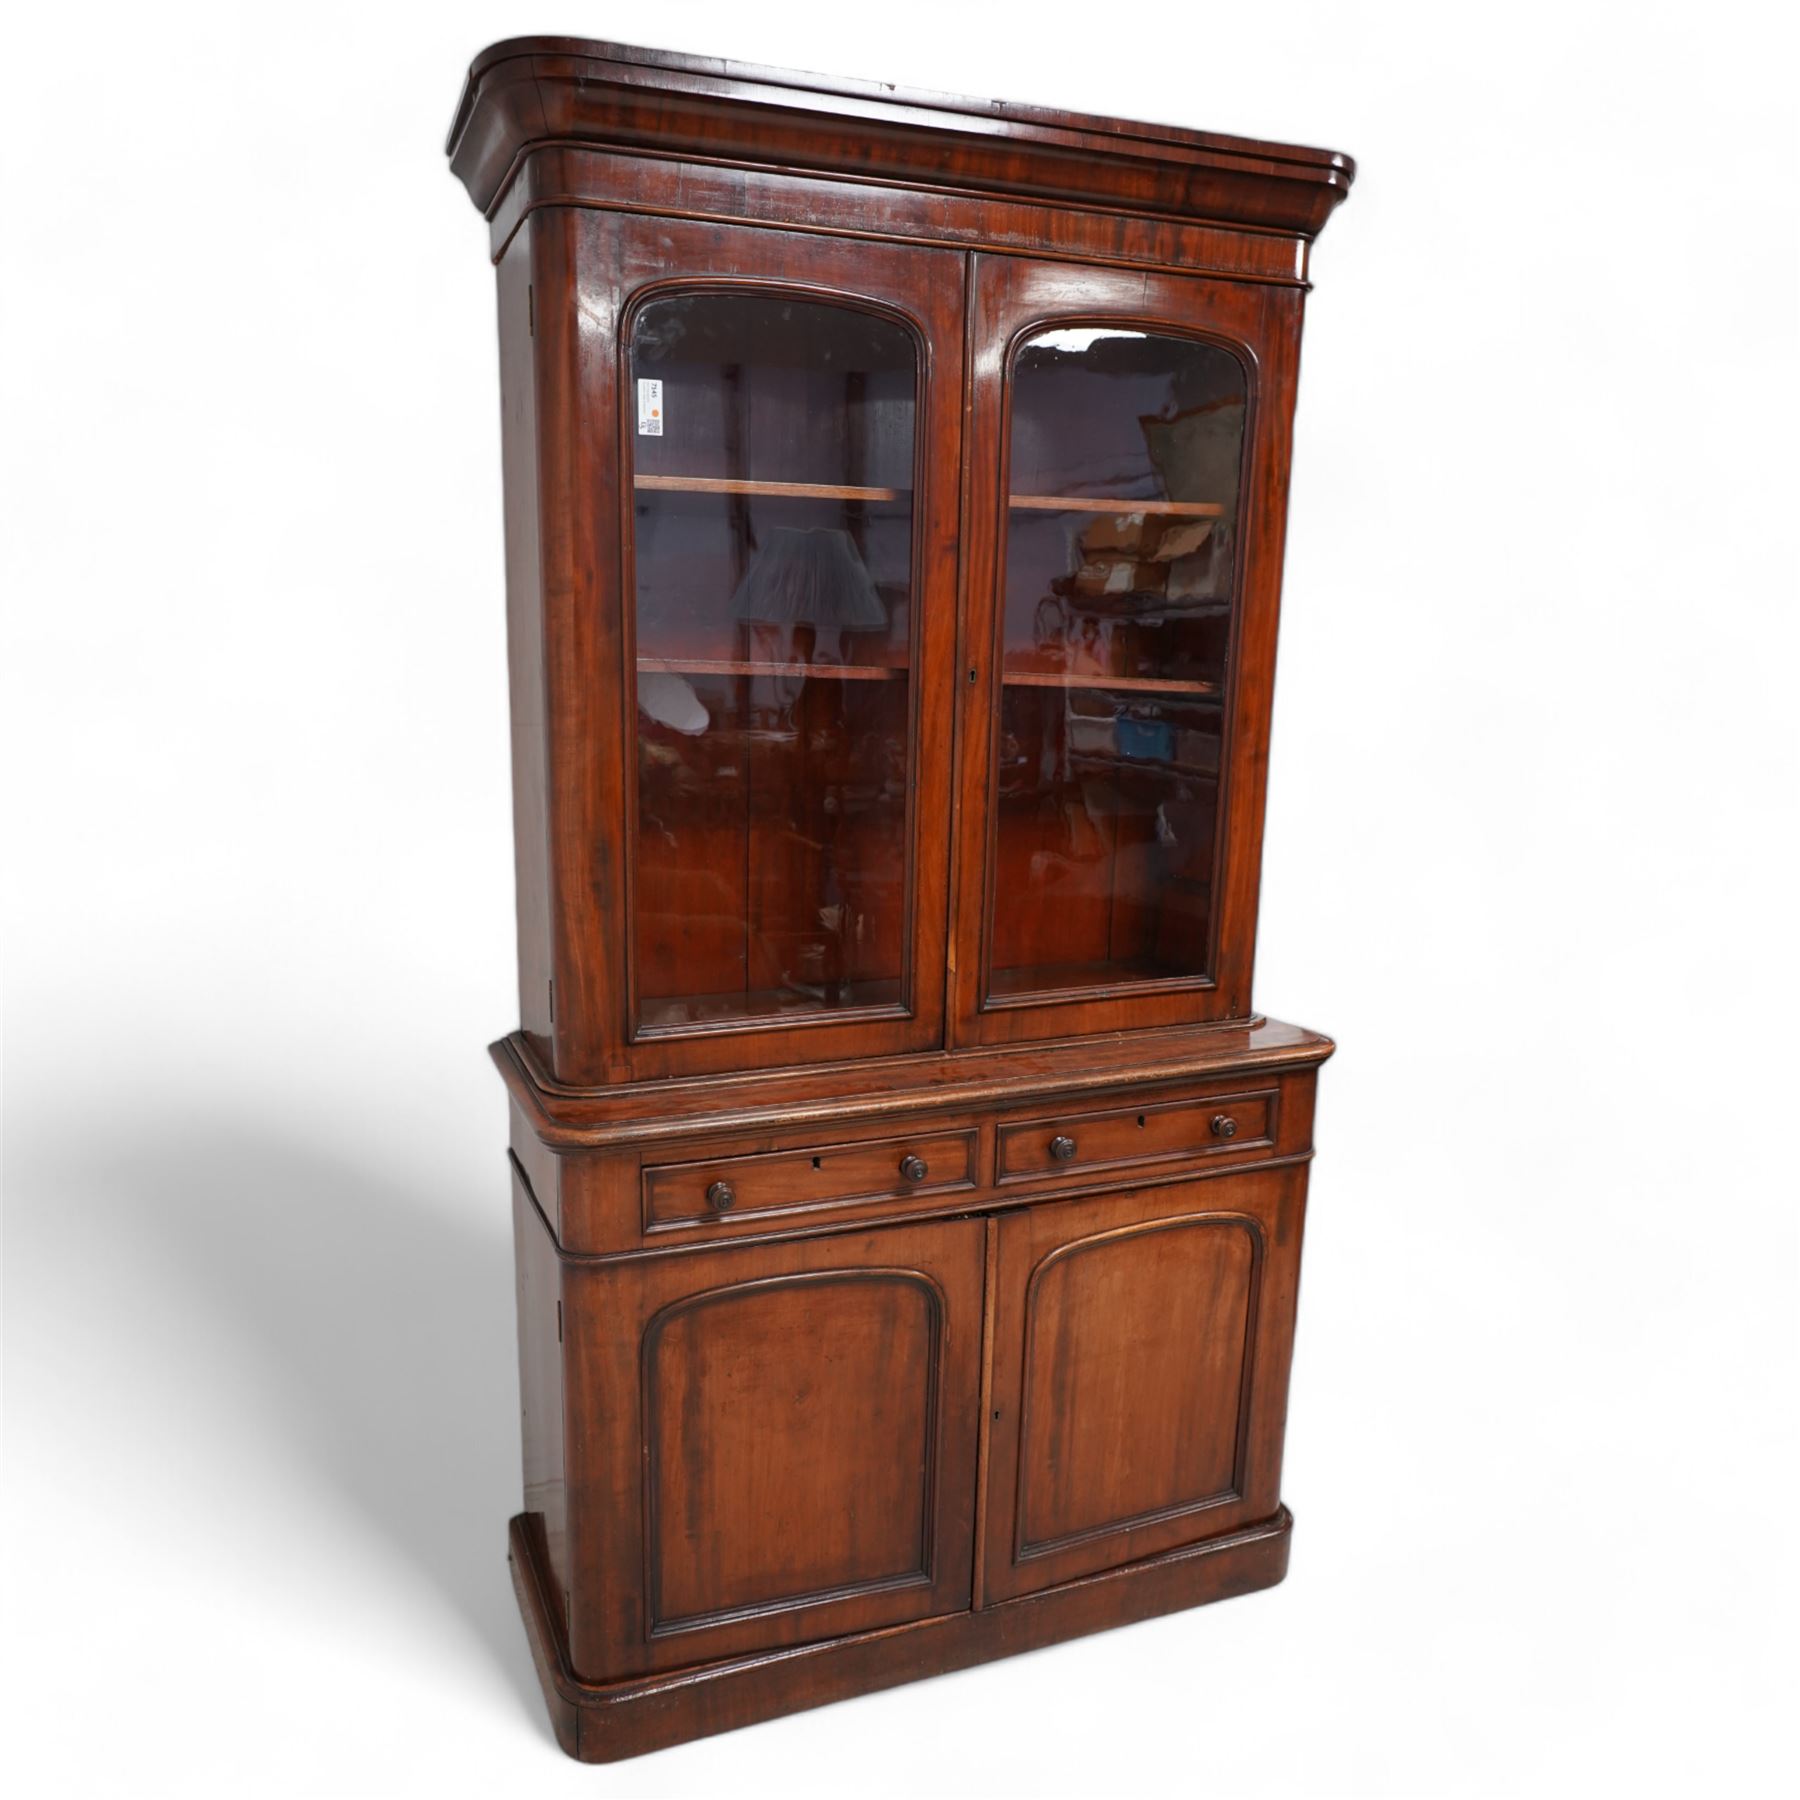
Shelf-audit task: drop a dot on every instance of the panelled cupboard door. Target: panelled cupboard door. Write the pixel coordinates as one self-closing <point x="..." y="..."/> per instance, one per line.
<point x="1140" y="1361"/>
<point x="1127" y="450"/>
<point x="776" y="423"/>
<point x="773" y="1444"/>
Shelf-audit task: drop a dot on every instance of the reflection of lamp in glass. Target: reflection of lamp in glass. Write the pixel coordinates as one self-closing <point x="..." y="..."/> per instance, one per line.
<point x="814" y="578"/>
<point x="801" y="580"/>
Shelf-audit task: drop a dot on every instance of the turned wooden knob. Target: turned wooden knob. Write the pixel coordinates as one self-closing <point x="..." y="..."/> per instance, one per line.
<point x="914" y="1168"/>
<point x="1224" y="1125"/>
<point x="1062" y="1148"/>
<point x="721" y="1196"/>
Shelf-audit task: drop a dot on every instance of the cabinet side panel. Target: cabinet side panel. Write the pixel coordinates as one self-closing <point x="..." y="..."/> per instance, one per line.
<point x="539" y="1276"/>
<point x="543" y="1169"/>
<point x="576" y="270"/>
<point x="1277" y="336"/>
<point x="1275" y="1347"/>
<point x="525" y="639"/>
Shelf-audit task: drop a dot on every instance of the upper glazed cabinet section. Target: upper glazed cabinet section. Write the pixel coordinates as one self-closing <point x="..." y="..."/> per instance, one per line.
<point x="893" y="544"/>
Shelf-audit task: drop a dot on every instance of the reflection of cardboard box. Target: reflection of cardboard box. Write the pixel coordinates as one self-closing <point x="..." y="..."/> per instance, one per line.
<point x="1128" y="533"/>
<point x="1182" y="537"/>
<point x="1201" y="571"/>
<point x="1143" y="537"/>
<point x="1192" y="577"/>
<point x="1144" y="553"/>
<point x="1120" y="576"/>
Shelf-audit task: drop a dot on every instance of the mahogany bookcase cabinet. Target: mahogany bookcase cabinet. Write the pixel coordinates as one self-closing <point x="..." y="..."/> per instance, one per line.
<point x="908" y="1199"/>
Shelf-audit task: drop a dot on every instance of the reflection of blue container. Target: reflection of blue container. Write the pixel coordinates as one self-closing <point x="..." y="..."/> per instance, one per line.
<point x="1147" y="740"/>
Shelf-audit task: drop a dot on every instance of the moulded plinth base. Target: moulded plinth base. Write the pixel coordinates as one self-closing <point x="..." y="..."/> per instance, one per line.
<point x="629" y="1718"/>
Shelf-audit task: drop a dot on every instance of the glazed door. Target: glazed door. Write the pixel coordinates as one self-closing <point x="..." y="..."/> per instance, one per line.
<point x="787" y="410"/>
<point x="1129" y="441"/>
<point x="1140" y="1361"/>
<point x="777" y="1443"/>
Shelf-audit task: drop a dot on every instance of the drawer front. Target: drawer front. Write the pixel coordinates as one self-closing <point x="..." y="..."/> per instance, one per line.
<point x="1066" y="1143"/>
<point x="730" y="1188"/>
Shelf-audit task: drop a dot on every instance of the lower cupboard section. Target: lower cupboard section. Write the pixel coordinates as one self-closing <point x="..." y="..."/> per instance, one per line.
<point x="781" y="1443"/>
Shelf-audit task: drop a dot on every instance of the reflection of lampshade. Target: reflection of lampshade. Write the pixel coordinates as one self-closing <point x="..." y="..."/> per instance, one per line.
<point x="809" y="578"/>
<point x="670" y="700"/>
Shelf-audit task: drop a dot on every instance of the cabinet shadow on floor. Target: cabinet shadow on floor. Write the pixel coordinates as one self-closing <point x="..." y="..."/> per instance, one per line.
<point x="377" y="1323"/>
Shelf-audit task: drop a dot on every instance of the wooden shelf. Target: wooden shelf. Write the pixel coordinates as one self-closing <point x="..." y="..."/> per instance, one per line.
<point x="1123" y="972"/>
<point x="662" y="1015"/>
<point x="1118" y="765"/>
<point x="689" y="665"/>
<point x="776" y="490"/>
<point x="1175" y="509"/>
<point x="1126" y="684"/>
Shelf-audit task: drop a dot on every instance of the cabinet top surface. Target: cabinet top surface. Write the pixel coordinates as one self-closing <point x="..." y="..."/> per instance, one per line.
<point x="558" y="90"/>
<point x="896" y="1086"/>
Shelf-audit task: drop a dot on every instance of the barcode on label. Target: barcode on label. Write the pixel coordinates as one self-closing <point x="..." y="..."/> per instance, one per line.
<point x="650" y="411"/>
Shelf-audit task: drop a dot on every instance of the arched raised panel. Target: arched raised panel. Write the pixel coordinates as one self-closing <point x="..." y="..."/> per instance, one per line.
<point x="791" y="1444"/>
<point x="1136" y="1358"/>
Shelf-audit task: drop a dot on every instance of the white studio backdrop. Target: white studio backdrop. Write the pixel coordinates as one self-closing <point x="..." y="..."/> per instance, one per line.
<point x="1530" y="858"/>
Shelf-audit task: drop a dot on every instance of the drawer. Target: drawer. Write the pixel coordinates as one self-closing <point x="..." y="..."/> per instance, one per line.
<point x="1065" y="1143"/>
<point x="730" y="1188"/>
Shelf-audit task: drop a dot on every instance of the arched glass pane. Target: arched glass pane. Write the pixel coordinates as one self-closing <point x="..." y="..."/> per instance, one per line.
<point x="1119" y="557"/>
<point x="772" y="540"/>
